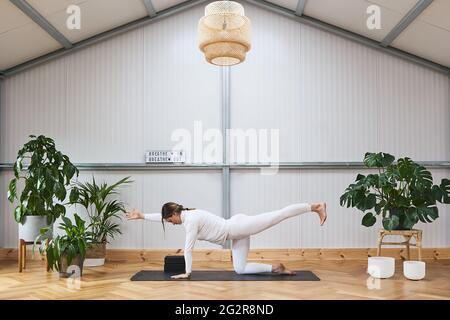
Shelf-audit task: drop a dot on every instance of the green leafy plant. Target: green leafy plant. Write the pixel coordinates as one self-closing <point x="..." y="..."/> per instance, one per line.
<point x="402" y="192"/>
<point x="46" y="176"/>
<point x="67" y="246"/>
<point x="101" y="209"/>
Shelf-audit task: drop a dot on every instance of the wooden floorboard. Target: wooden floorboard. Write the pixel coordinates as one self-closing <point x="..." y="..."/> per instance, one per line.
<point x="339" y="280"/>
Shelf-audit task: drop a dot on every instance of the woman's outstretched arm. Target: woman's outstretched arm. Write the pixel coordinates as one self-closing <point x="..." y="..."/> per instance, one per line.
<point x="136" y="215"/>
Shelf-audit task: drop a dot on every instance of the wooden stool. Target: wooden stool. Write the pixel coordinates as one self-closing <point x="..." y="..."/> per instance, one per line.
<point x="23" y="254"/>
<point x="407" y="234"/>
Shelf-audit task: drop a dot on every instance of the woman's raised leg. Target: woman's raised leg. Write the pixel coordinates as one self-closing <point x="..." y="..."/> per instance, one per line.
<point x="245" y="225"/>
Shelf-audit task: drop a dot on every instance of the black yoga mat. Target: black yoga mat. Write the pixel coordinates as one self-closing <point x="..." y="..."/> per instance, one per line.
<point x="150" y="275"/>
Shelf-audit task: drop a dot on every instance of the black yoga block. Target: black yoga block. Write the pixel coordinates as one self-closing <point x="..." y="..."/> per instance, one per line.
<point x="174" y="264"/>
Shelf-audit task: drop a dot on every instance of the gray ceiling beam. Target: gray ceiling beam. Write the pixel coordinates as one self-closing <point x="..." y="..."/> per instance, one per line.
<point x="105" y="35"/>
<point x="34" y="15"/>
<point x="412" y="14"/>
<point x="300" y="7"/>
<point x="150" y="8"/>
<point x="348" y="35"/>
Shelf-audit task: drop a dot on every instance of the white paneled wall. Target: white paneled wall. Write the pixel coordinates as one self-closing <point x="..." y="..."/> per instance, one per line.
<point x="110" y="103"/>
<point x="180" y="87"/>
<point x="414" y="105"/>
<point x="34" y="102"/>
<point x="331" y="99"/>
<point x="8" y="226"/>
<point x="118" y="98"/>
<point x="105" y="101"/>
<point x="148" y="192"/>
<point x="253" y="193"/>
<point x="318" y="91"/>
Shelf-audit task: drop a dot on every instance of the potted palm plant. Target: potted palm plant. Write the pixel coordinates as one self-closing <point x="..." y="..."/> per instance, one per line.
<point x="45" y="173"/>
<point x="402" y="193"/>
<point x="103" y="212"/>
<point x="66" y="250"/>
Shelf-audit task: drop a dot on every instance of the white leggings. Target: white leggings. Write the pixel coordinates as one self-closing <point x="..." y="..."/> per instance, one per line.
<point x="243" y="226"/>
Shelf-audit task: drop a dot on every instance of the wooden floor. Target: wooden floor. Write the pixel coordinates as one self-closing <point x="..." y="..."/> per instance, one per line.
<point x="339" y="280"/>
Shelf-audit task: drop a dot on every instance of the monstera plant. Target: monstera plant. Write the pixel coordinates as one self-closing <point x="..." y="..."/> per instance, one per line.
<point x="402" y="193"/>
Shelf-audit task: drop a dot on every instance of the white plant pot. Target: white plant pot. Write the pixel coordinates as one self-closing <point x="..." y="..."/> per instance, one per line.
<point x="414" y="270"/>
<point x="381" y="267"/>
<point x="95" y="255"/>
<point x="94" y="262"/>
<point x="31" y="227"/>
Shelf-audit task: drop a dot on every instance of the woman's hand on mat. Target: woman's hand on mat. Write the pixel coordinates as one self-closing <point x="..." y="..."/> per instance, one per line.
<point x="182" y="276"/>
<point x="134" y="215"/>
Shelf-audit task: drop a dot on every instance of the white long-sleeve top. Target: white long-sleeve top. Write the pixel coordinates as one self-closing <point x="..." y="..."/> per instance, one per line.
<point x="201" y="225"/>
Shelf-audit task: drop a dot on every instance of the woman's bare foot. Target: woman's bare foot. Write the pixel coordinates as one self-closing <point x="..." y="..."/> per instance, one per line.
<point x="281" y="269"/>
<point x="321" y="210"/>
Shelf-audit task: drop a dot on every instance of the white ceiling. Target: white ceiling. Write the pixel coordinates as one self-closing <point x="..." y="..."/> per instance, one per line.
<point x="96" y="15"/>
<point x="351" y="15"/>
<point x="22" y="40"/>
<point x="429" y="35"/>
<point x="160" y="5"/>
<point x="288" y="4"/>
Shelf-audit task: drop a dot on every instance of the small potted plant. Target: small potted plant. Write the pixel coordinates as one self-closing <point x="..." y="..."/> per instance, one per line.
<point x="64" y="251"/>
<point x="45" y="173"/>
<point x="402" y="193"/>
<point x="102" y="212"/>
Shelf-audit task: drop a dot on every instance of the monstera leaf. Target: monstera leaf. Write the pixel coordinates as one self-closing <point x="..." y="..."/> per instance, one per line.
<point x="369" y="220"/>
<point x="423" y="178"/>
<point x="442" y="192"/>
<point x="378" y="160"/>
<point x="406" y="169"/>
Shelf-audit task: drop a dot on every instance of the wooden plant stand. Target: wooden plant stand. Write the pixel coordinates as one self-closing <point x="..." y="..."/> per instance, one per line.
<point x="407" y="234"/>
<point x="22" y="254"/>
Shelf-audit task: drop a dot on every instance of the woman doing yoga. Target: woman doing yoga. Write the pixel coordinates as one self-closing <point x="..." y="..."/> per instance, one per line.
<point x="203" y="225"/>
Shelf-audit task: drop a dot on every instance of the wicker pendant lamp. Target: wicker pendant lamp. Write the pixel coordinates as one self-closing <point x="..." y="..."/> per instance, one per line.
<point x="224" y="33"/>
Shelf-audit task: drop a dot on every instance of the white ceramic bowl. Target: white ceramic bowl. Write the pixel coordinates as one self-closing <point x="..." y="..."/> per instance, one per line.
<point x="414" y="270"/>
<point x="381" y="267"/>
